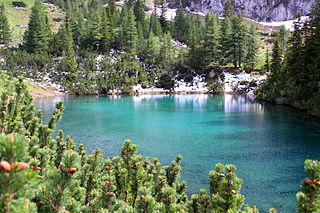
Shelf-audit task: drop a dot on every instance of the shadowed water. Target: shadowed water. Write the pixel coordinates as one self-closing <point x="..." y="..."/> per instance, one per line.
<point x="267" y="143"/>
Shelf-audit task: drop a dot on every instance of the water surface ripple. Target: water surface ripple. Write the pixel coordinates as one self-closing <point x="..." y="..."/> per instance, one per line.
<point x="267" y="143"/>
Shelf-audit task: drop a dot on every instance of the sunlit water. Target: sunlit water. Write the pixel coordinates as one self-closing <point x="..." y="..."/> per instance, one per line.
<point x="267" y="143"/>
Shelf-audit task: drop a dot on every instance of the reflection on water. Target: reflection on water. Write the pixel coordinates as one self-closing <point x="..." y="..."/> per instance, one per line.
<point x="200" y="103"/>
<point x="267" y="143"/>
<point x="241" y="103"/>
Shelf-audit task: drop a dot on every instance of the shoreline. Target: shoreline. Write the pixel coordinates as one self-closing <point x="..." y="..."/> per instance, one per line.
<point x="60" y="94"/>
<point x="52" y="94"/>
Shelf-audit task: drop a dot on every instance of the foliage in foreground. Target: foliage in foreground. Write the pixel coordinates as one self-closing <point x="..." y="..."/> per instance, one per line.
<point x="39" y="174"/>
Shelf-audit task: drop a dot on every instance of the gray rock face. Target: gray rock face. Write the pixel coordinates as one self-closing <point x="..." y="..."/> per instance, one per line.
<point x="260" y="10"/>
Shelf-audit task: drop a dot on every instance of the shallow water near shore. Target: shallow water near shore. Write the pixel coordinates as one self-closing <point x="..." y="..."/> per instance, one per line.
<point x="267" y="143"/>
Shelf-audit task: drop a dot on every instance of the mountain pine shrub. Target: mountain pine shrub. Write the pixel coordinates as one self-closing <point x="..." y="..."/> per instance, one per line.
<point x="40" y="174"/>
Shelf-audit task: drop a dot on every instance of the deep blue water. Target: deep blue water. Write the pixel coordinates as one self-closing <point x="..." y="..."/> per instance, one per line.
<point x="267" y="143"/>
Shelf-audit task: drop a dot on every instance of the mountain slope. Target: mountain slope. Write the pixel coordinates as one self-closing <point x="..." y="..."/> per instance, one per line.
<point x="261" y="10"/>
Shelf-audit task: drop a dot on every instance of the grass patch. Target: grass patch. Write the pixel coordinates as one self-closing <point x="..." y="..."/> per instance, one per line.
<point x="18" y="18"/>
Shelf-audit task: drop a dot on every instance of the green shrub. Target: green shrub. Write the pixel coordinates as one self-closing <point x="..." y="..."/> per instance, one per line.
<point x="18" y="4"/>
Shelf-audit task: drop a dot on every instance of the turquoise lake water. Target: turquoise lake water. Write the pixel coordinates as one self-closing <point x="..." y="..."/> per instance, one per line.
<point x="267" y="143"/>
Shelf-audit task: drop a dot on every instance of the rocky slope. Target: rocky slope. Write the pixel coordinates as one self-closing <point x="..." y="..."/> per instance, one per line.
<point x="260" y="10"/>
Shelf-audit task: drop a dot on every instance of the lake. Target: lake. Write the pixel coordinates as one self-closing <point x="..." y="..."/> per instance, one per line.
<point x="267" y="143"/>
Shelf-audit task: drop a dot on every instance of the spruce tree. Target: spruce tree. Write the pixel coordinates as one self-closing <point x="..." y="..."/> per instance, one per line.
<point x="197" y="53"/>
<point x="128" y="32"/>
<point x="212" y="40"/>
<point x="276" y="61"/>
<point x="163" y="12"/>
<point x="167" y="50"/>
<point x="283" y="38"/>
<point x="152" y="48"/>
<point x="226" y="41"/>
<point x="139" y="12"/>
<point x="180" y="26"/>
<point x="64" y="36"/>
<point x="311" y="56"/>
<point x="94" y="26"/>
<point x="238" y="40"/>
<point x="294" y="55"/>
<point x="5" y="34"/>
<point x="267" y="61"/>
<point x="107" y="40"/>
<point x="252" y="49"/>
<point x="155" y="25"/>
<point x="228" y="9"/>
<point x="78" y="27"/>
<point x="37" y="36"/>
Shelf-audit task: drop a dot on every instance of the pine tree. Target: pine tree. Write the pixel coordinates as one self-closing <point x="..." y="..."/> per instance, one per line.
<point x="107" y="40"/>
<point x="180" y="26"/>
<point x="94" y="26"/>
<point x="283" y="38"/>
<point x="267" y="61"/>
<point x="37" y="37"/>
<point x="252" y="49"/>
<point x="311" y="56"/>
<point x="128" y="32"/>
<point x="163" y="13"/>
<point x="308" y="200"/>
<point x="64" y="36"/>
<point x="238" y="40"/>
<point x="166" y="50"/>
<point x="276" y="61"/>
<point x="228" y="9"/>
<point x="78" y="27"/>
<point x="113" y="6"/>
<point x="294" y="54"/>
<point x="196" y="54"/>
<point x="152" y="48"/>
<point x="212" y="41"/>
<point x="139" y="13"/>
<point x="5" y="34"/>
<point x="226" y="41"/>
<point x="155" y="25"/>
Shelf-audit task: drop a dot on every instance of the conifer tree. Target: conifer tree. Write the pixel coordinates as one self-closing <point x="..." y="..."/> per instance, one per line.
<point x="78" y="27"/>
<point x="180" y="26"/>
<point x="226" y="41"/>
<point x="139" y="13"/>
<point x="311" y="56"/>
<point x="163" y="13"/>
<point x="113" y="6"/>
<point x="94" y="26"/>
<point x="238" y="40"/>
<point x="128" y="32"/>
<point x="276" y="61"/>
<point x="283" y="39"/>
<point x="252" y="49"/>
<point x="5" y="34"/>
<point x="17" y="180"/>
<point x="107" y="40"/>
<point x="197" y="52"/>
<point x="212" y="41"/>
<point x="308" y="200"/>
<point x="294" y="54"/>
<point x="267" y="61"/>
<point x="166" y="50"/>
<point x="152" y="48"/>
<point x="37" y="36"/>
<point x="64" y="36"/>
<point x="155" y="25"/>
<point x="228" y="9"/>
